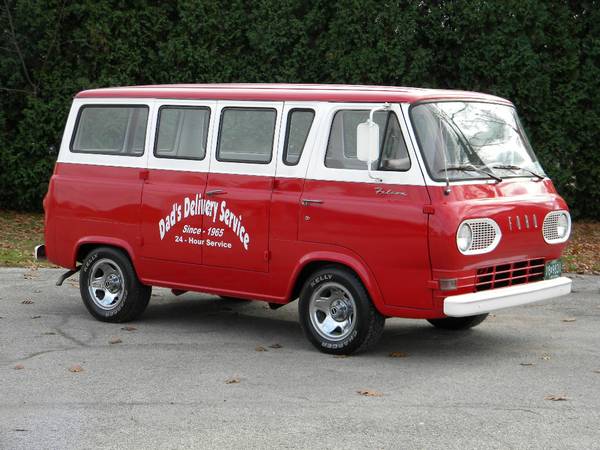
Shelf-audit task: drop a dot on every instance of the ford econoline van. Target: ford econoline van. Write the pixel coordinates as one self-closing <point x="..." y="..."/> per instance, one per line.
<point x="363" y="202"/>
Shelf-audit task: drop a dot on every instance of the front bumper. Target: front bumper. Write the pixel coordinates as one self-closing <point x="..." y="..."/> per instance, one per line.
<point x="491" y="300"/>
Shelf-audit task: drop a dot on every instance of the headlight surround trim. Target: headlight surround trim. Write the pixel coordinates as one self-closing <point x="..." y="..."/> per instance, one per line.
<point x="556" y="227"/>
<point x="485" y="236"/>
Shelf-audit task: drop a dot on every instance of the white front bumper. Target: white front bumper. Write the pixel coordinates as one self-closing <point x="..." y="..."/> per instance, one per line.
<point x="483" y="302"/>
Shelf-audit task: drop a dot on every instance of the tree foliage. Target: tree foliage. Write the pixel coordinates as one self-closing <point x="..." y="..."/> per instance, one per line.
<point x="544" y="56"/>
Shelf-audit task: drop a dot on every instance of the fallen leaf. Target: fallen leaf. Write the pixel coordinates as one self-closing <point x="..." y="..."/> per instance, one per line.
<point x="369" y="393"/>
<point x="233" y="380"/>
<point x="556" y="398"/>
<point x="569" y="319"/>
<point x="546" y="356"/>
<point x="276" y="346"/>
<point x="129" y="328"/>
<point x="76" y="368"/>
<point x="398" y="355"/>
<point x="19" y="367"/>
<point x="527" y="364"/>
<point x="260" y="348"/>
<point x="35" y="317"/>
<point x="27" y="301"/>
<point x="115" y="340"/>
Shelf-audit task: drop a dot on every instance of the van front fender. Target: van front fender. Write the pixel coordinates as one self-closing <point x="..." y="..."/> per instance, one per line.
<point x="346" y="259"/>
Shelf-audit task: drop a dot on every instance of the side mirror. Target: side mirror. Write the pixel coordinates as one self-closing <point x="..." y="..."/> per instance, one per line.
<point x="367" y="141"/>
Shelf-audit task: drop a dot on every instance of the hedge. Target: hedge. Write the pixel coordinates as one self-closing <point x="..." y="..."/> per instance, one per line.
<point x="543" y="55"/>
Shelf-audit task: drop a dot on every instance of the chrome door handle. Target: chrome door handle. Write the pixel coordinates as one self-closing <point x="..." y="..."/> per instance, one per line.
<point x="215" y="192"/>
<point x="307" y="201"/>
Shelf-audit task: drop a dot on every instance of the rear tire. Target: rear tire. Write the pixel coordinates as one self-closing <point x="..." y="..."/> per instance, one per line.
<point x="458" y="323"/>
<point x="110" y="288"/>
<point x="336" y="313"/>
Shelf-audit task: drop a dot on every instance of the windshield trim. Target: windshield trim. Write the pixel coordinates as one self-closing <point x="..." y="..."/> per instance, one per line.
<point x="437" y="179"/>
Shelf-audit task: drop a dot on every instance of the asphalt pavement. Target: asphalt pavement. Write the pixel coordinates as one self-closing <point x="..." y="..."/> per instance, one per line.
<point x="197" y="371"/>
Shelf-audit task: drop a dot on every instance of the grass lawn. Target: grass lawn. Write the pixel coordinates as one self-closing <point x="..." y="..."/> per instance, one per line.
<point x="21" y="232"/>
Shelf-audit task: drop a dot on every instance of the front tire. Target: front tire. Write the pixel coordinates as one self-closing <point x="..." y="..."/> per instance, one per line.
<point x="458" y="323"/>
<point x="110" y="288"/>
<point x="336" y="313"/>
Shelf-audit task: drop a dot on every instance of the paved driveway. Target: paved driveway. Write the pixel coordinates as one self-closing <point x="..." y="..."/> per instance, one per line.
<point x="164" y="383"/>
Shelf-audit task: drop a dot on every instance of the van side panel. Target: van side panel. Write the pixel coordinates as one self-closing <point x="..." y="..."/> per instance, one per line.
<point x="285" y="208"/>
<point x="90" y="200"/>
<point x="388" y="231"/>
<point x="171" y="227"/>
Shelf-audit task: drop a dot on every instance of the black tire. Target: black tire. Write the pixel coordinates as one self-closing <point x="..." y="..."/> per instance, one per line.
<point x="458" y="323"/>
<point x="112" y="270"/>
<point x="366" y="324"/>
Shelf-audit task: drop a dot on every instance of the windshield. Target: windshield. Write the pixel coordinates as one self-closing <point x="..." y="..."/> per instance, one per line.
<point x="466" y="139"/>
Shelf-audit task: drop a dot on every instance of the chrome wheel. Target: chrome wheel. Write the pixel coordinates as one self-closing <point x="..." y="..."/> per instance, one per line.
<point x="332" y="311"/>
<point x="106" y="284"/>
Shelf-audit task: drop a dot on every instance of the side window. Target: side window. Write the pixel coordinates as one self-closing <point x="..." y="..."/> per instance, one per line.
<point x="246" y="135"/>
<point x="111" y="130"/>
<point x="182" y="132"/>
<point x="298" y="126"/>
<point x="341" y="149"/>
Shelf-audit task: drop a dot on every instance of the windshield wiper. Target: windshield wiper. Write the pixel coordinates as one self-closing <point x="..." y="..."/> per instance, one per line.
<point x="471" y="168"/>
<point x="513" y="167"/>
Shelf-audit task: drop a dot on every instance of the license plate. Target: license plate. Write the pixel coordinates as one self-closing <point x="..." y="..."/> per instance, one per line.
<point x="553" y="269"/>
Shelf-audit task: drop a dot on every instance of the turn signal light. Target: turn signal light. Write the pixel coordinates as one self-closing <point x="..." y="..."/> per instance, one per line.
<point x="448" y="284"/>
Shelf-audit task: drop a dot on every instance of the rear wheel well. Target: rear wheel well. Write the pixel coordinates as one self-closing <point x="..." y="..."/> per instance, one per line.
<point x="311" y="268"/>
<point x="85" y="249"/>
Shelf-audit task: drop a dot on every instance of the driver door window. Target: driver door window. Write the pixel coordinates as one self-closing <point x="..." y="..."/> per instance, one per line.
<point x="341" y="148"/>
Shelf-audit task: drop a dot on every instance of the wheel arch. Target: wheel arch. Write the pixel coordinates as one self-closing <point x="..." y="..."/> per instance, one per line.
<point x="314" y="261"/>
<point x="87" y="244"/>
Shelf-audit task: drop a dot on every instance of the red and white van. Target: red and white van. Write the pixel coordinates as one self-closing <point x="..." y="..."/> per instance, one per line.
<point x="364" y="202"/>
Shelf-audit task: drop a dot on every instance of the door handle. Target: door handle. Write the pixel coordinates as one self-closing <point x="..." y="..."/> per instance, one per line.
<point x="307" y="201"/>
<point x="215" y="192"/>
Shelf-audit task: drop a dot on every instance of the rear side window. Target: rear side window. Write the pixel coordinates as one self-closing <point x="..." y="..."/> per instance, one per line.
<point x="111" y="130"/>
<point x="182" y="132"/>
<point x="298" y="126"/>
<point x="246" y="135"/>
<point x="341" y="149"/>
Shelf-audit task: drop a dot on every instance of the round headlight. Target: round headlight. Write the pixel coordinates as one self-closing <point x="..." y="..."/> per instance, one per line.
<point x="562" y="225"/>
<point x="464" y="237"/>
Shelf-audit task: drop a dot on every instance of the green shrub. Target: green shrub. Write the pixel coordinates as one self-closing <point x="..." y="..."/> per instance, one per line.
<point x="544" y="56"/>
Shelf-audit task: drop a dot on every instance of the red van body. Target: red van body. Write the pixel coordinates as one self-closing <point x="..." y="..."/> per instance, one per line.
<point x="260" y="229"/>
